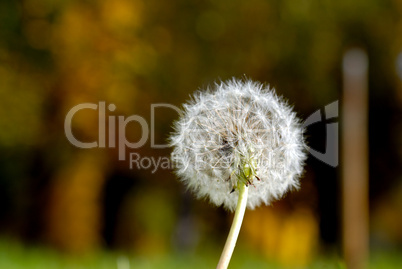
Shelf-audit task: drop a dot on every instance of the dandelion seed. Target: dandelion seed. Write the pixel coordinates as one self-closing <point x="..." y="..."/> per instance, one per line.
<point x="236" y="135"/>
<point x="238" y="132"/>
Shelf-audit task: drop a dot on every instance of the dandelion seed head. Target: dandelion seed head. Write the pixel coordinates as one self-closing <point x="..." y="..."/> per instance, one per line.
<point x="238" y="132"/>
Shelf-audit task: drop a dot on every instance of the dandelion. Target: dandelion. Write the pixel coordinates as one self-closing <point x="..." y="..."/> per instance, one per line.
<point x="239" y="145"/>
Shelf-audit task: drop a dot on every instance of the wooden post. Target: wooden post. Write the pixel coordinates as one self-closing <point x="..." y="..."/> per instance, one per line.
<point x="355" y="159"/>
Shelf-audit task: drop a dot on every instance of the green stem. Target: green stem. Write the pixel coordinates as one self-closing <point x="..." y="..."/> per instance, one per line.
<point x="235" y="229"/>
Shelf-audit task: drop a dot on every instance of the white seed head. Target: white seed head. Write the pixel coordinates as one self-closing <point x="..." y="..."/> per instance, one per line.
<point x="238" y="132"/>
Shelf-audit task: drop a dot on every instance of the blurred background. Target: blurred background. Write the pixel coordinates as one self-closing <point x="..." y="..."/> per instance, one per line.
<point x="66" y="207"/>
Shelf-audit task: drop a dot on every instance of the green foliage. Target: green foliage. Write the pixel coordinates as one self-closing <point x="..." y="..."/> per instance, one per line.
<point x="16" y="256"/>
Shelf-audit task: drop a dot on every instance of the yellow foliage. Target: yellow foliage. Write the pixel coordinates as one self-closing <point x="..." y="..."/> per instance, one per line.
<point x="74" y="209"/>
<point x="38" y="33"/>
<point x="289" y="238"/>
<point x="122" y="15"/>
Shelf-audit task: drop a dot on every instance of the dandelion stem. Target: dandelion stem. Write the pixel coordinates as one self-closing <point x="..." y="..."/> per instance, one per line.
<point x="235" y="228"/>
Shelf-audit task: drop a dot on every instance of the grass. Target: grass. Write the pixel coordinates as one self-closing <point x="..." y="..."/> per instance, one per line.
<point x="14" y="255"/>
